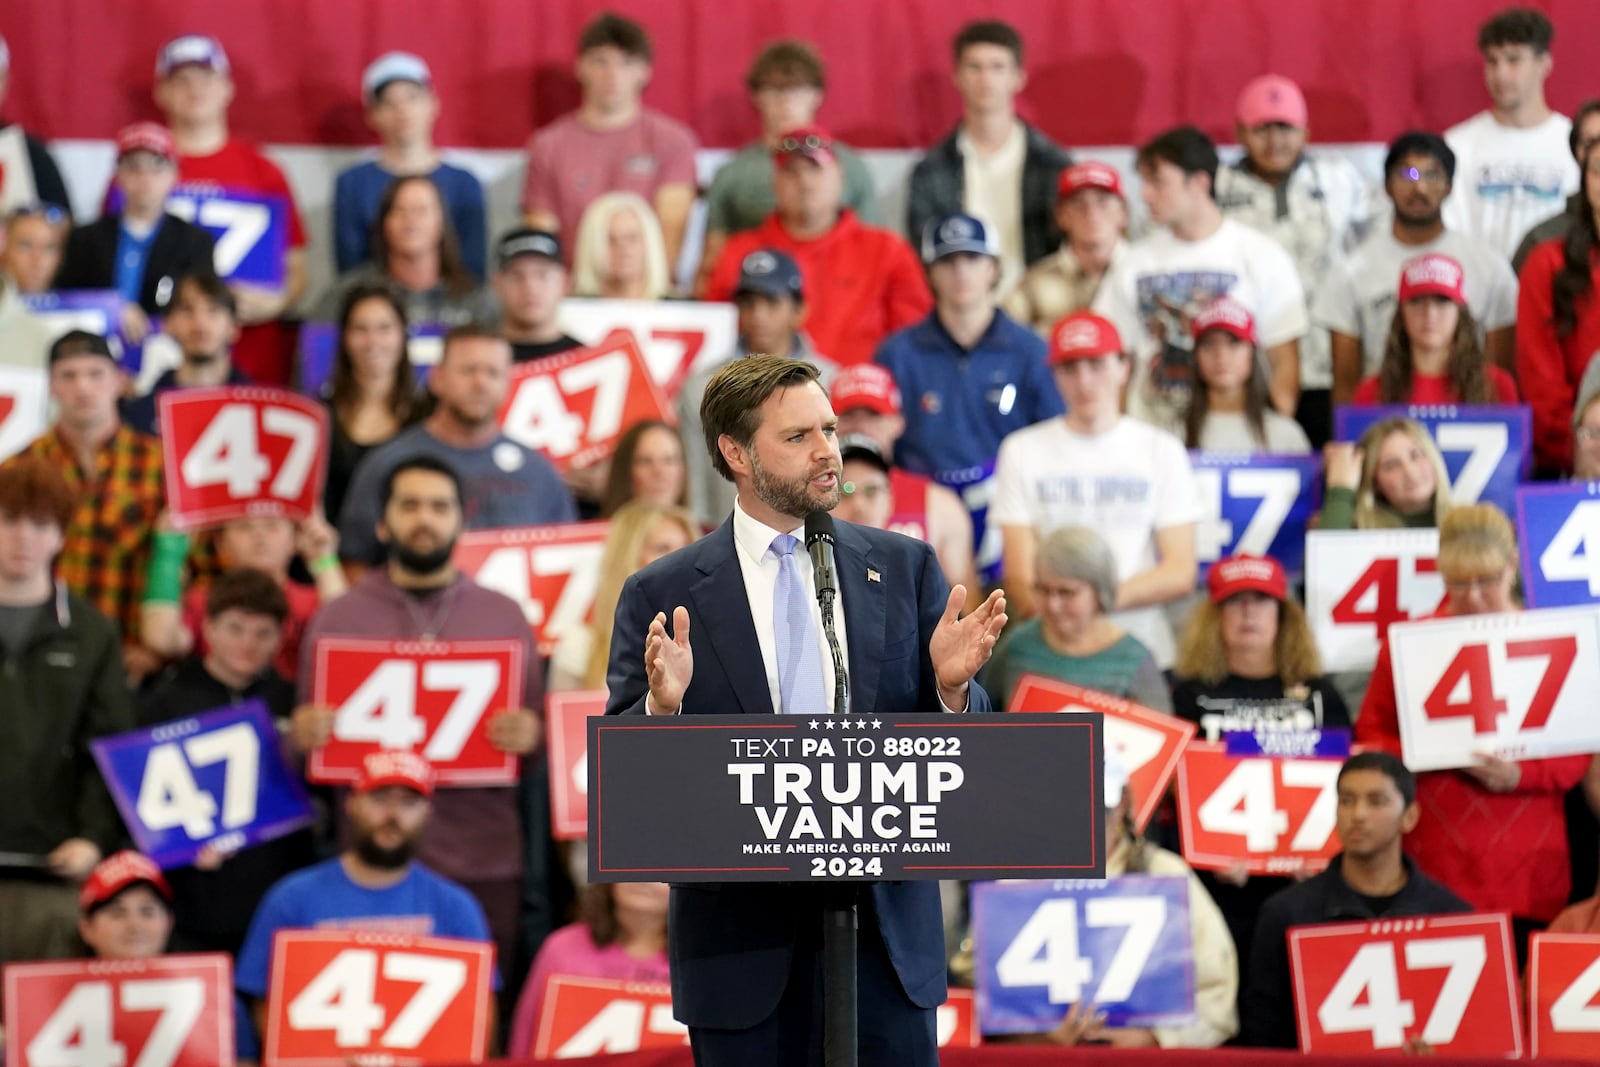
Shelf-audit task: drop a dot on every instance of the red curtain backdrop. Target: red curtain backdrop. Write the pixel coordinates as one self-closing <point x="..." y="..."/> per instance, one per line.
<point x="1100" y="71"/>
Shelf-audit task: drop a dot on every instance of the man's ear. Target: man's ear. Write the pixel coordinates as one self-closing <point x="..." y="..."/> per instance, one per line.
<point x="1410" y="817"/>
<point x="735" y="455"/>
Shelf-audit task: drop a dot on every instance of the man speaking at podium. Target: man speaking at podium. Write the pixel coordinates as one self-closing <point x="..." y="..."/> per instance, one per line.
<point x="746" y="958"/>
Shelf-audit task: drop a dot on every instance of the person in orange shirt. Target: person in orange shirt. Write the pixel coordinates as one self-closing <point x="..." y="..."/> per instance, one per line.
<point x="862" y="282"/>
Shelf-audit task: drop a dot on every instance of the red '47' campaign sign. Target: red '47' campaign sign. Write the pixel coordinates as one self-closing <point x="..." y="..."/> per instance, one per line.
<point x="1150" y="742"/>
<point x="567" y="722"/>
<point x="169" y="1011"/>
<point x="1564" y="995"/>
<point x="1276" y="816"/>
<point x="432" y="698"/>
<point x="342" y="994"/>
<point x="240" y="450"/>
<point x="1450" y="980"/>
<point x="574" y="406"/>
<point x="588" y="1016"/>
<point x="551" y="571"/>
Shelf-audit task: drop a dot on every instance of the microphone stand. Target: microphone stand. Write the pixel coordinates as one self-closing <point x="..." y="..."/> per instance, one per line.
<point x="840" y="1004"/>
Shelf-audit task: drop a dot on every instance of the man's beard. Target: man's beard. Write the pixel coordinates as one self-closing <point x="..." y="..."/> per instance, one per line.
<point x="375" y="855"/>
<point x="794" y="496"/>
<point x="420" y="562"/>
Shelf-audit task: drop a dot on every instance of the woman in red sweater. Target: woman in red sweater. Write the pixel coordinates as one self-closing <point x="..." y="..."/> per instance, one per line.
<point x="1434" y="354"/>
<point x="1494" y="833"/>
<point x="1558" y="326"/>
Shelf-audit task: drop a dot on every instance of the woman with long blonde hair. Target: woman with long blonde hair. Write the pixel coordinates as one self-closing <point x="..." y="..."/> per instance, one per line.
<point x="640" y="534"/>
<point x="620" y="253"/>
<point x="1393" y="477"/>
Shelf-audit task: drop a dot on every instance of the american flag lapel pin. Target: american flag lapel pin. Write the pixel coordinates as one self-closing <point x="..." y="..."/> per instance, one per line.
<point x="873" y="576"/>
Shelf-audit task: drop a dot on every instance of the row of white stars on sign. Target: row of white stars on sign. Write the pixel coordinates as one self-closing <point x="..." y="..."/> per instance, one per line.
<point x="844" y="723"/>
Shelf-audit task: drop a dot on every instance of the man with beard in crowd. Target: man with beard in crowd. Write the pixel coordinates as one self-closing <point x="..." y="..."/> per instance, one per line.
<point x="495" y="840"/>
<point x="376" y="883"/>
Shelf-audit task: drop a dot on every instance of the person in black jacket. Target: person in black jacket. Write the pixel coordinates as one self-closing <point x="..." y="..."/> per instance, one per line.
<point x="143" y="249"/>
<point x="1371" y="879"/>
<point x="245" y="612"/>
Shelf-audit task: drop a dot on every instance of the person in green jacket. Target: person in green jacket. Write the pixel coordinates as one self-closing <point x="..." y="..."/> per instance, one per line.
<point x="1394" y="477"/>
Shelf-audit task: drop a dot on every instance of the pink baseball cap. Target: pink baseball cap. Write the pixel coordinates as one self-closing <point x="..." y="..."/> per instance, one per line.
<point x="1089" y="175"/>
<point x="1228" y="315"/>
<point x="1272" y="98"/>
<point x="1083" y="335"/>
<point x="865" y="385"/>
<point x="1432" y="274"/>
<point x="395" y="767"/>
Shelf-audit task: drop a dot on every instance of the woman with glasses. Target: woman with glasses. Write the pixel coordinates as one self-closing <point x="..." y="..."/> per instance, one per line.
<point x="30" y="254"/>
<point x="1494" y="833"/>
<point x="1071" y="639"/>
<point x="1558" y="325"/>
<point x="1392" y="478"/>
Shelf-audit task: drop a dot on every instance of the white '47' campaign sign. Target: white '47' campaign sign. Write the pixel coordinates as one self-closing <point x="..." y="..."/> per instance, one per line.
<point x="1519" y="685"/>
<point x="1359" y="582"/>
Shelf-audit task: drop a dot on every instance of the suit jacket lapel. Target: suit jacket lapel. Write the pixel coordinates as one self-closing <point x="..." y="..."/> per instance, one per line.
<point x="722" y="609"/>
<point x="866" y="618"/>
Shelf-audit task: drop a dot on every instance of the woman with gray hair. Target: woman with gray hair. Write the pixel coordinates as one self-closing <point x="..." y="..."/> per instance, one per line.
<point x="1074" y="582"/>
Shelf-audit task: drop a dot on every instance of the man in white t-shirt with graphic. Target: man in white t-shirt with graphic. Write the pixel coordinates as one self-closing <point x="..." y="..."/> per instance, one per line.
<point x="1195" y="257"/>
<point x="1096" y="467"/>
<point x="1356" y="303"/>
<point x="1513" y="166"/>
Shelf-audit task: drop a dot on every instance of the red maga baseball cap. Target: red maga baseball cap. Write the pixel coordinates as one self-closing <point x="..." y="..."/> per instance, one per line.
<point x="117" y="872"/>
<point x="1247" y="574"/>
<point x="1089" y="175"/>
<point x="393" y="767"/>
<point x="1225" y="314"/>
<point x="149" y="137"/>
<point x="1432" y="274"/>
<point x="865" y="385"/>
<point x="807" y="142"/>
<point x="1083" y="335"/>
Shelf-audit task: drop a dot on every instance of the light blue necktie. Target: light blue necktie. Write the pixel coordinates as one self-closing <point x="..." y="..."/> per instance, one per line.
<point x="800" y="684"/>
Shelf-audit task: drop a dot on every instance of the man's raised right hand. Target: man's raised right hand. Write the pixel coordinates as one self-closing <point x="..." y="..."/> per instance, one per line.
<point x="668" y="661"/>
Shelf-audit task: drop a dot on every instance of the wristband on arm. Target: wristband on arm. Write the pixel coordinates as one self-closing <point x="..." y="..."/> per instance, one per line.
<point x="164" y="576"/>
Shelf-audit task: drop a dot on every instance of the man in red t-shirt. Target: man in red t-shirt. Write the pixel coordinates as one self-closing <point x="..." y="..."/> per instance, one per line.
<point x="862" y="282"/>
<point x="867" y="402"/>
<point x="260" y="241"/>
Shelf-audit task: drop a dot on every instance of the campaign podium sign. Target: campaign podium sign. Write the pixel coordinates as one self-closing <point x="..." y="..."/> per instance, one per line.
<point x="1257" y="504"/>
<point x="1558" y="529"/>
<point x="566" y="717"/>
<point x="1518" y="685"/>
<point x="1564" y="996"/>
<point x="216" y="779"/>
<point x="575" y="406"/>
<point x="552" y="572"/>
<point x="434" y="698"/>
<point x="1359" y="582"/>
<point x="678" y="338"/>
<point x="1150" y="742"/>
<point x="166" y="1011"/>
<point x="238" y="451"/>
<point x="820" y="798"/>
<point x="1448" y="980"/>
<point x="339" y="996"/>
<point x="1274" y="816"/>
<point x="1123" y="944"/>
<point x="1487" y="448"/>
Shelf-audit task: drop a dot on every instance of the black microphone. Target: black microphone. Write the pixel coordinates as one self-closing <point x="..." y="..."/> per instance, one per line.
<point x="819" y="543"/>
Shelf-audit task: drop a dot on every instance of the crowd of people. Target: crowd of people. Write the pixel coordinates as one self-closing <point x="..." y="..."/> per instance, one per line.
<point x="1018" y="380"/>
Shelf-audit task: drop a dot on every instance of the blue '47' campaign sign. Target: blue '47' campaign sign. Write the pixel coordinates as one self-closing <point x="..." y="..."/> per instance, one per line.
<point x="1258" y="504"/>
<point x="1124" y="944"/>
<point x="1486" y="447"/>
<point x="217" y="778"/>
<point x="1558" y="527"/>
<point x="251" y="230"/>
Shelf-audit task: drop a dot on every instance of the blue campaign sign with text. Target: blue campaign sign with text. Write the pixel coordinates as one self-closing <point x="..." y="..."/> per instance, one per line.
<point x="319" y="341"/>
<point x="1558" y="527"/>
<point x="217" y="779"/>
<point x="97" y="310"/>
<point x="1124" y="944"/>
<point x="251" y="230"/>
<point x="1485" y="446"/>
<point x="1257" y="504"/>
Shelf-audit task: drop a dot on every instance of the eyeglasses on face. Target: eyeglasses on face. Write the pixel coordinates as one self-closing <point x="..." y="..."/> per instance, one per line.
<point x="809" y="143"/>
<point x="52" y="214"/>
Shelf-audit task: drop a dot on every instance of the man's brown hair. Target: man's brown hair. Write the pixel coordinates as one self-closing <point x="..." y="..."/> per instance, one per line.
<point x="733" y="399"/>
<point x="623" y="34"/>
<point x="31" y="488"/>
<point x="251" y="591"/>
<point x="784" y="64"/>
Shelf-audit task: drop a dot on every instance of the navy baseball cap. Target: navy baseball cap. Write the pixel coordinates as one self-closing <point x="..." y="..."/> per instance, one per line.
<point x="525" y="241"/>
<point x="860" y="446"/>
<point x="769" y="271"/>
<point x="959" y="233"/>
